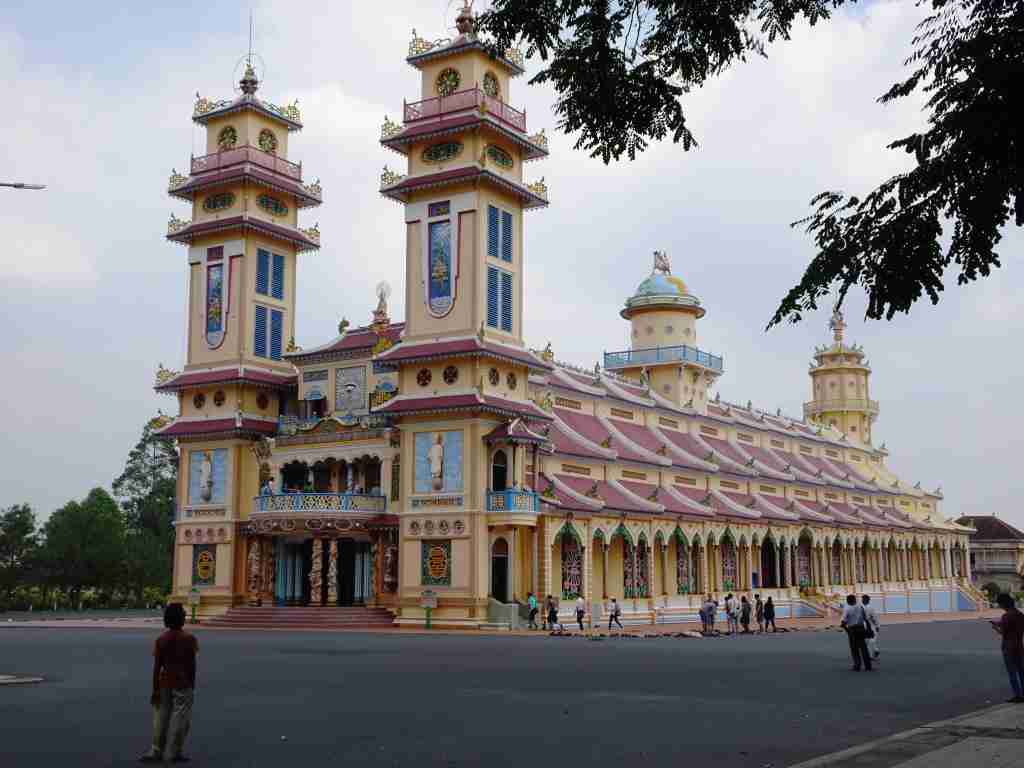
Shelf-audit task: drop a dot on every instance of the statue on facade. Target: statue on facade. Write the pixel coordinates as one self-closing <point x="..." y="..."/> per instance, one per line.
<point x="436" y="458"/>
<point x="661" y="263"/>
<point x="206" y="477"/>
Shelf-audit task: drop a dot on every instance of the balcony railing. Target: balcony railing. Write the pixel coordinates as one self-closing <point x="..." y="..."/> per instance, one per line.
<point x="472" y="98"/>
<point x="316" y="503"/>
<point x="247" y="154"/>
<point x="513" y="500"/>
<point x="680" y="354"/>
<point x="815" y="407"/>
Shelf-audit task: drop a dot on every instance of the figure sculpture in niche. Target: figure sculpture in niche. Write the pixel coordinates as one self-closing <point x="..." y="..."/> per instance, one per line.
<point x="436" y="457"/>
<point x="206" y="477"/>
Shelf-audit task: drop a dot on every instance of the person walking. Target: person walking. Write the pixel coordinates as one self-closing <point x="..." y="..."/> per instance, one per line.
<point x="759" y="613"/>
<point x="855" y="623"/>
<point x="745" y="614"/>
<point x="729" y="620"/>
<point x="531" y="601"/>
<point x="174" y="682"/>
<point x="710" y="609"/>
<point x="769" y="616"/>
<point x="581" y="611"/>
<point x="551" y="613"/>
<point x="614" y="614"/>
<point x="1011" y="626"/>
<point x="873" y="625"/>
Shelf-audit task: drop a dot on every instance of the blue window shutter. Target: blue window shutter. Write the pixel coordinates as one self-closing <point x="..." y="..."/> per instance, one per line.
<point x="277" y="277"/>
<point x="492" y="297"/>
<point x="276" y="329"/>
<point x="259" y="347"/>
<point x="492" y="231"/>
<point x="262" y="271"/>
<point x="506" y="302"/>
<point x="506" y="236"/>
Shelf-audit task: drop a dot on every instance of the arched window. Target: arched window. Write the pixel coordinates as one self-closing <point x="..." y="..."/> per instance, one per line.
<point x="499" y="471"/>
<point x="572" y="567"/>
<point x="729" y="564"/>
<point x="684" y="585"/>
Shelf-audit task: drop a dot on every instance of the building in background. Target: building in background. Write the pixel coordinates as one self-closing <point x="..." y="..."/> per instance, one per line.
<point x="440" y="464"/>
<point x="997" y="553"/>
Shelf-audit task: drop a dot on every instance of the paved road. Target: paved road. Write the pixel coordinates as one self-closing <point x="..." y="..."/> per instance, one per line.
<point x="447" y="700"/>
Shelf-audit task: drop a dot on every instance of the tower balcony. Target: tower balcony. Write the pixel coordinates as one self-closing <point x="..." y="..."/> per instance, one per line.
<point x="247" y="163"/>
<point x="632" y="358"/>
<point x="440" y="107"/>
<point x="247" y="154"/>
<point x="815" y="408"/>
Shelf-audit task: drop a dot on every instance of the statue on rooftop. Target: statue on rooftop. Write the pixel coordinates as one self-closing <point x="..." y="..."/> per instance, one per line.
<point x="661" y="263"/>
<point x="837" y="325"/>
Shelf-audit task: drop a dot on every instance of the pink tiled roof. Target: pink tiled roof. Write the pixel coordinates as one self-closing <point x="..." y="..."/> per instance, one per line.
<point x="812" y="512"/>
<point x="400" y="191"/>
<point x="356" y="338"/>
<point x="584" y="424"/>
<point x="179" y="428"/>
<point x="228" y="376"/>
<point x="424" y="350"/>
<point x="516" y="430"/>
<point x="816" y="463"/>
<point x="726" y="449"/>
<point x="843" y="513"/>
<point x="528" y="408"/>
<point x="245" y="222"/>
<point x="550" y="494"/>
<point x="565" y="444"/>
<point x="686" y="443"/>
<point x="643" y="437"/>
<point x="436" y="403"/>
<point x="765" y="456"/>
<point x="666" y="499"/>
<point x="418" y="131"/>
<point x="869" y="515"/>
<point x="612" y="498"/>
<point x="243" y="170"/>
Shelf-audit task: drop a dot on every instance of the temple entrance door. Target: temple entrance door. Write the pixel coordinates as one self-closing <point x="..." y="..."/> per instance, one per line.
<point x="499" y="571"/>
<point x="292" y="563"/>
<point x="354" y="572"/>
<point x="768" y="576"/>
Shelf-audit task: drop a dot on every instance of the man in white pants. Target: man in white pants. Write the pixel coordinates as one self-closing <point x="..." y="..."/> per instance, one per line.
<point x="874" y="625"/>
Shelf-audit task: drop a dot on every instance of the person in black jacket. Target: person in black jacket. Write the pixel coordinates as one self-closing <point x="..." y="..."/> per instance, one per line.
<point x="769" y="615"/>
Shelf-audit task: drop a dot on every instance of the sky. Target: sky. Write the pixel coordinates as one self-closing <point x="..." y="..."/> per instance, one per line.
<point x="93" y="297"/>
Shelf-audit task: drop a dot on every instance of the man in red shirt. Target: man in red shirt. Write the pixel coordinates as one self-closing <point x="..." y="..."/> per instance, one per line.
<point x="174" y="681"/>
<point x="1011" y="627"/>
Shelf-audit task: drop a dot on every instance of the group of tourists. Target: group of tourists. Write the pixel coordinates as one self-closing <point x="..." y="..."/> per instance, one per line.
<point x="549" y="619"/>
<point x="860" y="620"/>
<point x="738" y="613"/>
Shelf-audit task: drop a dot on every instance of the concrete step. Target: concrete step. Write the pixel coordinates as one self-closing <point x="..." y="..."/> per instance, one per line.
<point x="302" y="617"/>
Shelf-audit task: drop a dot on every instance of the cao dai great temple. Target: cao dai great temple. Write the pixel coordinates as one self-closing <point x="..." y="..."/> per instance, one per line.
<point x="441" y="460"/>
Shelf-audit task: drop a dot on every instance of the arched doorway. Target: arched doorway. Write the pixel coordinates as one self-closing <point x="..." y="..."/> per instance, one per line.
<point x="499" y="471"/>
<point x="499" y="570"/>
<point x="769" y="577"/>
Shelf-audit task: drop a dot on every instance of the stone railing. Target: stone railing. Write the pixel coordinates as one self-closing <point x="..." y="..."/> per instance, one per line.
<point x="316" y="503"/>
<point x="513" y="500"/>
<point x="654" y="355"/>
<point x="246" y="154"/>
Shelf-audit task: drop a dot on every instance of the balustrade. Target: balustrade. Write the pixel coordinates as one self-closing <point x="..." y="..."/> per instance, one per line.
<point x="315" y="503"/>
<point x="653" y="355"/>
<point x="247" y="154"/>
<point x="513" y="500"/>
<point x="472" y="98"/>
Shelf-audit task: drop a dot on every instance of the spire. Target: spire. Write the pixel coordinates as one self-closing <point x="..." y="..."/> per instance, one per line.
<point x="464" y="21"/>
<point x="249" y="82"/>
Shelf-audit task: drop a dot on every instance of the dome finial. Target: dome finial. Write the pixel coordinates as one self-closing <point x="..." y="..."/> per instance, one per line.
<point x="837" y="325"/>
<point x="661" y="263"/>
<point x="464" y="21"/>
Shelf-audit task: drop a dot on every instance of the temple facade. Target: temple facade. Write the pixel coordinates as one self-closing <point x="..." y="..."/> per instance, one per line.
<point x="441" y="469"/>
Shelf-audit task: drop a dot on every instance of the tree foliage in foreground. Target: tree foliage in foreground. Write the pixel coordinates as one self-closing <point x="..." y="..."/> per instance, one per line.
<point x="620" y="68"/>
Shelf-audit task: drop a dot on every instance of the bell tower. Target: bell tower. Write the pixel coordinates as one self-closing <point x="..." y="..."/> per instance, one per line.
<point x="464" y="190"/>
<point x="840" y="396"/>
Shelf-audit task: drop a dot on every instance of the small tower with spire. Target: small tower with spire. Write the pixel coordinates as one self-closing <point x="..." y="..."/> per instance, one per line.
<point x="840" y="376"/>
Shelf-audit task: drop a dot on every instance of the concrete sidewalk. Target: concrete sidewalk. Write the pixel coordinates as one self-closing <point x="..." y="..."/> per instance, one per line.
<point x="993" y="738"/>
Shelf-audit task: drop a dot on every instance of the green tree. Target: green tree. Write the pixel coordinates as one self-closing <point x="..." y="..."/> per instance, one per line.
<point x="85" y="544"/>
<point x="146" y="487"/>
<point x="17" y="545"/>
<point x="620" y="67"/>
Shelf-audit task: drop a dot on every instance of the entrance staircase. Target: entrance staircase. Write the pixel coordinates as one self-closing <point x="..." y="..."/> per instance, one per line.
<point x="298" y="617"/>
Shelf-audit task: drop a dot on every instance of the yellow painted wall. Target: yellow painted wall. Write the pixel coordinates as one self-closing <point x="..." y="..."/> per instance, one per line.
<point x="248" y="125"/>
<point x="471" y="67"/>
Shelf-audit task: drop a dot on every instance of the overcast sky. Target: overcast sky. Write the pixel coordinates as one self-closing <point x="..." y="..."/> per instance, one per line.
<point x="93" y="297"/>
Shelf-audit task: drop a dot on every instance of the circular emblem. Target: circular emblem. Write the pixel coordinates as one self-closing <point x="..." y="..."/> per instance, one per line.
<point x="448" y="81"/>
<point x="344" y="525"/>
<point x="267" y="140"/>
<point x="414" y="528"/>
<point x="188" y="534"/>
<point x="199" y="400"/>
<point x="272" y="205"/>
<point x="491" y="87"/>
<point x="437" y="561"/>
<point x="451" y="374"/>
<point x="459" y="526"/>
<point x="439" y="153"/>
<point x="227" y="138"/>
<point x="262" y="400"/>
<point x="500" y="156"/>
<point x="443" y="526"/>
<point x="428" y="527"/>
<point x="221" y="533"/>
<point x="218" y="398"/>
<point x="494" y="377"/>
<point x="511" y="380"/>
<point x="218" y="202"/>
<point x="424" y="377"/>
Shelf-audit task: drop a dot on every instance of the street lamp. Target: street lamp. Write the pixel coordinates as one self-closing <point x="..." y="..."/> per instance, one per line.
<point x="21" y="185"/>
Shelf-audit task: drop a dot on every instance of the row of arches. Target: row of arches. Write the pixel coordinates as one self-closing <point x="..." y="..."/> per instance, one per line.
<point x="626" y="566"/>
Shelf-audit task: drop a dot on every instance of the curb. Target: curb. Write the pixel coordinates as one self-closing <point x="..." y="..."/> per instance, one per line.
<point x="837" y="757"/>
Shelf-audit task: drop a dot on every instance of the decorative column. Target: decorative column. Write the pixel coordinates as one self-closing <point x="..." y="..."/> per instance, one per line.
<point x="604" y="564"/>
<point x="514" y="564"/>
<point x="664" y="566"/>
<point x="255" y="570"/>
<point x="548" y="576"/>
<point x="269" y="571"/>
<point x="385" y="478"/>
<point x="948" y="559"/>
<point x="965" y="553"/>
<point x="535" y="565"/>
<point x="332" y="572"/>
<point x="778" y="567"/>
<point x="316" y="592"/>
<point x="750" y="568"/>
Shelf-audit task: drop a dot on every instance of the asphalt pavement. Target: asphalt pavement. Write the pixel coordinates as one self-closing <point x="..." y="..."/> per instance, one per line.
<point x="287" y="699"/>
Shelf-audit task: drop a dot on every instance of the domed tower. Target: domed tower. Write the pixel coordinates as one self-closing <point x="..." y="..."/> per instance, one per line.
<point x="664" y="352"/>
<point x="839" y="387"/>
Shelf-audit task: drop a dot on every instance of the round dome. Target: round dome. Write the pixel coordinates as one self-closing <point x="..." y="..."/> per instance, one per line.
<point x="659" y="284"/>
